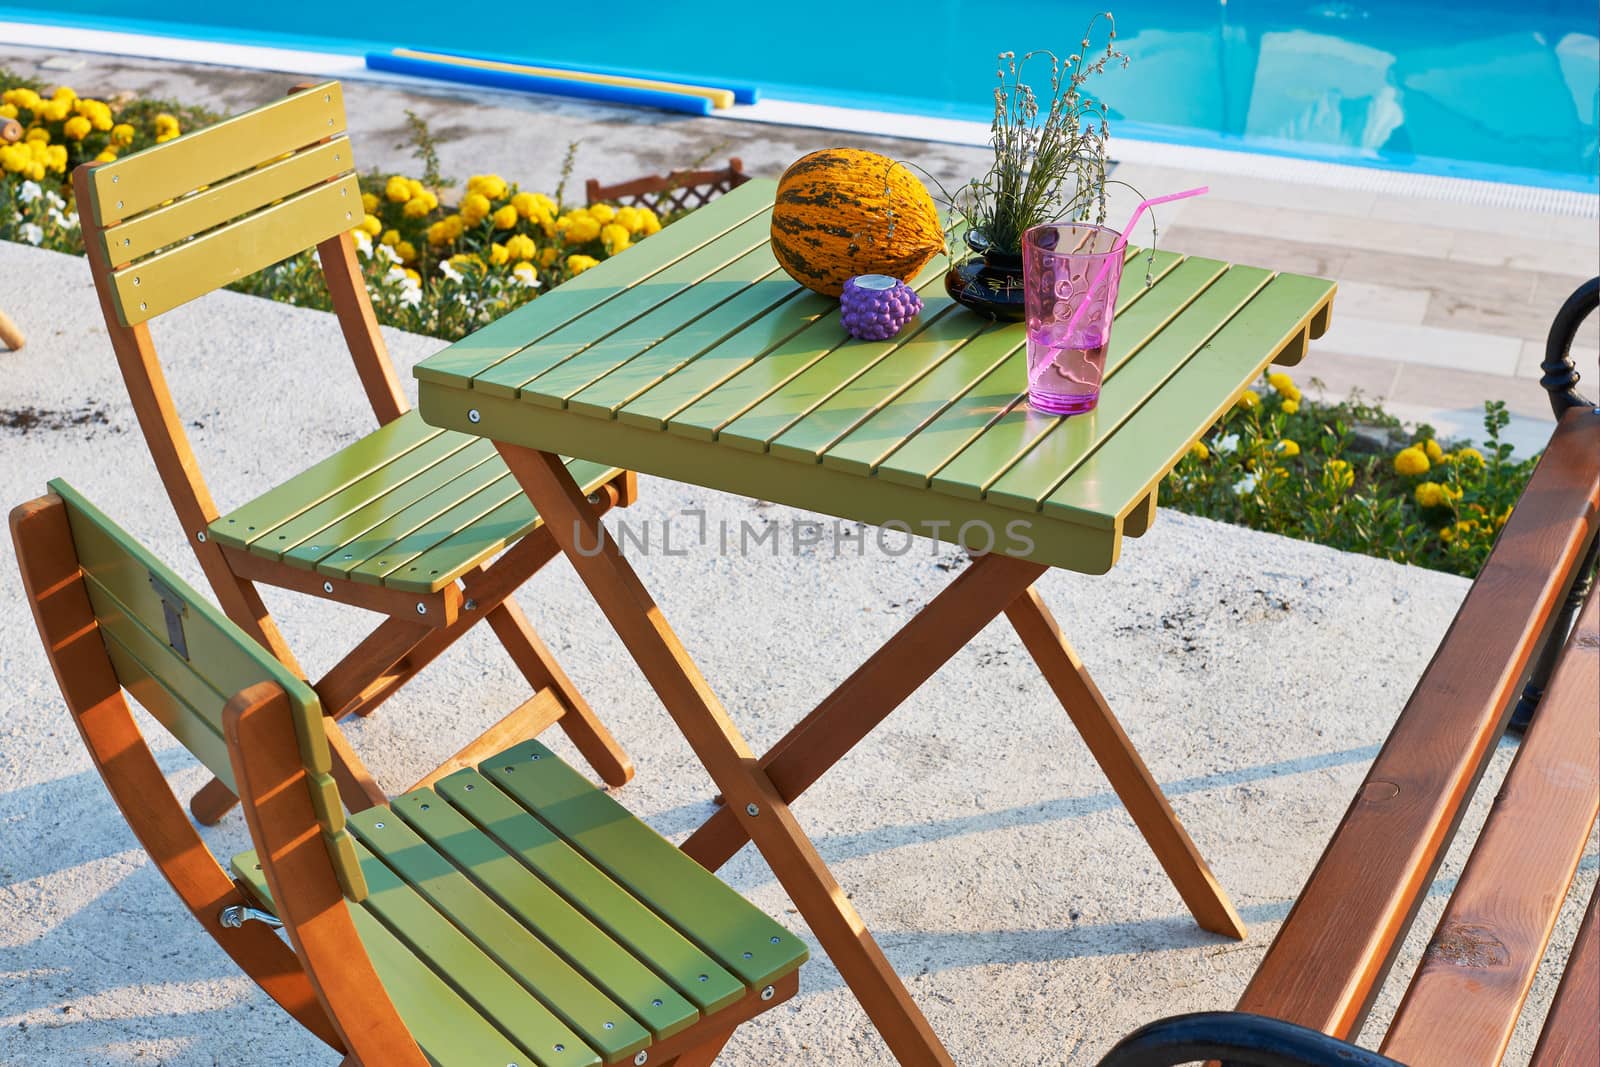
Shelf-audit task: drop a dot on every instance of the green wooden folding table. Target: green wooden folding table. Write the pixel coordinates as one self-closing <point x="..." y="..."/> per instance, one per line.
<point x="695" y="357"/>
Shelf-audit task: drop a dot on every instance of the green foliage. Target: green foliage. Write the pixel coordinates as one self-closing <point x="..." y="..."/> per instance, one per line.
<point x="1285" y="464"/>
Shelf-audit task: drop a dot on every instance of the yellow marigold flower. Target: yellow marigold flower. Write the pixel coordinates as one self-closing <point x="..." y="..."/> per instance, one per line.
<point x="1290" y="407"/>
<point x="547" y="256"/>
<point x="55" y="110"/>
<point x="1411" y="460"/>
<point x="369" y="203"/>
<point x="579" y="264"/>
<point x="55" y="157"/>
<point x="614" y="237"/>
<point x="582" y="229"/>
<point x="76" y="128"/>
<point x="416" y="187"/>
<point x="166" y="127"/>
<point x="1452" y="492"/>
<point x="1342" y="475"/>
<point x="65" y="92"/>
<point x="438" y="234"/>
<point x="1199" y="451"/>
<point x="396" y="190"/>
<point x="1431" y="447"/>
<point x="13" y="159"/>
<point x="454" y="226"/>
<point x="1429" y="495"/>
<point x="8" y="111"/>
<point x="474" y="208"/>
<point x="22" y="98"/>
<point x="630" y="218"/>
<point x="37" y="133"/>
<point x="390" y="238"/>
<point x="526" y="273"/>
<point x="1288" y="448"/>
<point x="602" y="213"/>
<point x="106" y="155"/>
<point x="498" y="254"/>
<point x="373" y="227"/>
<point x="1250" y="401"/>
<point x="406" y="251"/>
<point x="1470" y="457"/>
<point x="505" y="218"/>
<point x="98" y="114"/>
<point x="122" y="135"/>
<point x="491" y="186"/>
<point x="463" y="259"/>
<point x="1280" y="381"/>
<point x="525" y="204"/>
<point x="520" y="246"/>
<point x="652" y="224"/>
<point x="35" y="171"/>
<point x="550" y="206"/>
<point x="1448" y="534"/>
<point x="415" y="208"/>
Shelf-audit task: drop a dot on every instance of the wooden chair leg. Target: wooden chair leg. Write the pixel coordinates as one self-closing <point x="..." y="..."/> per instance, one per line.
<point x="725" y="755"/>
<point x="540" y="668"/>
<point x="1120" y="761"/>
<point x="702" y="1055"/>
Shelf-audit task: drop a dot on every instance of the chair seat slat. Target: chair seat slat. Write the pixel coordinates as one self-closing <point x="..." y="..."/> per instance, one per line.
<point x="1569" y="1034"/>
<point x="739" y="936"/>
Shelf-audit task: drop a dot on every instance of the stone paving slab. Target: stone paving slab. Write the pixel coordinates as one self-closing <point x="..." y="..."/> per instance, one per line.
<point x="1258" y="675"/>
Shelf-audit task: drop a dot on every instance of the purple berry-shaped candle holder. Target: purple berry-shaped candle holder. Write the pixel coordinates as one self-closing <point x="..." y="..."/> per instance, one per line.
<point x="874" y="307"/>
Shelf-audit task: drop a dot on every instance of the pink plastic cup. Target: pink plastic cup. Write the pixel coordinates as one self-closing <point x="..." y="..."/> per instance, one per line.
<point x="1070" y="274"/>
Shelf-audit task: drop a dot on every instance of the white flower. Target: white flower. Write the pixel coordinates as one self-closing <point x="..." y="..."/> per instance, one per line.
<point x="386" y="253"/>
<point x="66" y="222"/>
<point x="449" y="271"/>
<point x="33" y="233"/>
<point x="1245" y="486"/>
<point x="56" y="201"/>
<point x="411" y="294"/>
<point x="29" y="192"/>
<point x="526" y="275"/>
<point x="1226" y="444"/>
<point x="363" y="242"/>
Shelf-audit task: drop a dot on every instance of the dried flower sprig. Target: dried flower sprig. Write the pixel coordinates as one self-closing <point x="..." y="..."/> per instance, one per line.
<point x="1049" y="162"/>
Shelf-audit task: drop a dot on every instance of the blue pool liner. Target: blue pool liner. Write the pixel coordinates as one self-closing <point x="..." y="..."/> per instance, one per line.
<point x="534" y="83"/>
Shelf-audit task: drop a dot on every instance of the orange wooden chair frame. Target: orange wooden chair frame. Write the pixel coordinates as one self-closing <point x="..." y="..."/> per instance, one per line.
<point x="682" y="190"/>
<point x="418" y="628"/>
<point x="323" y="975"/>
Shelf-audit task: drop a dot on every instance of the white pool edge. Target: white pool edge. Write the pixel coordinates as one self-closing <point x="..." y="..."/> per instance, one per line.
<point x="1529" y="198"/>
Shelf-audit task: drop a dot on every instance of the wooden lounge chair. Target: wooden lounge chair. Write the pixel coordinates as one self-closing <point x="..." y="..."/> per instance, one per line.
<point x="402" y="522"/>
<point x="1531" y="611"/>
<point x="511" y="914"/>
<point x="680" y="191"/>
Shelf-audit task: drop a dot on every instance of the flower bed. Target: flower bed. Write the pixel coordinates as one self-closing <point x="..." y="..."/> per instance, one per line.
<point x="1283" y="463"/>
<point x="1278" y="462"/>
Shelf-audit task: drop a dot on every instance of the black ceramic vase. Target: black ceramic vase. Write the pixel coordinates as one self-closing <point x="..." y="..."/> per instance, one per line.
<point x="988" y="282"/>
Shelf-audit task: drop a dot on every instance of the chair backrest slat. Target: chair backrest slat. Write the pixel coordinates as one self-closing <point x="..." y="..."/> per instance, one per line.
<point x="182" y="659"/>
<point x="160" y="283"/>
<point x="137" y="183"/>
<point x="154" y="230"/>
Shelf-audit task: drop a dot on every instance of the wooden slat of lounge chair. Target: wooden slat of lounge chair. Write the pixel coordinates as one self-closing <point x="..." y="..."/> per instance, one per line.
<point x="1570" y="1034"/>
<point x="1364" y="892"/>
<point x="1463" y="1003"/>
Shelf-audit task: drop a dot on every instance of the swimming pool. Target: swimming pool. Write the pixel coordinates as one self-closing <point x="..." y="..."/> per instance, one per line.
<point x="1499" y="90"/>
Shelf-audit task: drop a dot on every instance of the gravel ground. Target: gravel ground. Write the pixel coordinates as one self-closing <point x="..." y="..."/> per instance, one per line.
<point x="1257" y="675"/>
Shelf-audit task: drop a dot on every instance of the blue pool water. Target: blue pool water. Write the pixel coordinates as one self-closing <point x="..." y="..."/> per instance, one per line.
<point x="1496" y="89"/>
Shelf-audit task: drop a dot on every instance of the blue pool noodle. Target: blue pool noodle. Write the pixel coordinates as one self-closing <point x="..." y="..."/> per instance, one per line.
<point x="505" y="79"/>
<point x="742" y="94"/>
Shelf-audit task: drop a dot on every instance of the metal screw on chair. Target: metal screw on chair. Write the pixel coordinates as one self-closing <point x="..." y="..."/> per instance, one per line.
<point x="594" y="498"/>
<point x="641" y="1058"/>
<point x="470" y="605"/>
<point x="236" y="915"/>
<point x="768" y="993"/>
<point x="472" y="415"/>
<point x="751" y="809"/>
<point x="377" y="826"/>
<point x="201" y="537"/>
<point x="327" y="587"/>
<point x="422" y="609"/>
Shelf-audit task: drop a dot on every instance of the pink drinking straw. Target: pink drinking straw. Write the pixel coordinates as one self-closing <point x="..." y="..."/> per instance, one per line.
<point x="1121" y="242"/>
